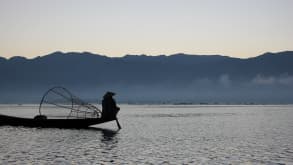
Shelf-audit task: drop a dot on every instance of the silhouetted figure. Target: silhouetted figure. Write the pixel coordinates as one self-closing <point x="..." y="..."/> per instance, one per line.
<point x="110" y="109"/>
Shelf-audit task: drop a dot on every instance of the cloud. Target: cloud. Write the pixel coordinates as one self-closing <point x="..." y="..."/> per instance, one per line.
<point x="271" y="80"/>
<point x="286" y="80"/>
<point x="262" y="80"/>
<point x="225" y="80"/>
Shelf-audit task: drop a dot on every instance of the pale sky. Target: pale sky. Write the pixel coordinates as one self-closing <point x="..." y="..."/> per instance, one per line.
<point x="238" y="28"/>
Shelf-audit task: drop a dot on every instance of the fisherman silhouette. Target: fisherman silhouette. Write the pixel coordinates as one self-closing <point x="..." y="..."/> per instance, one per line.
<point x="110" y="109"/>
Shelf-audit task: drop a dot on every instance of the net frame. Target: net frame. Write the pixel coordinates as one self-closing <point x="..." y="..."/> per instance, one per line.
<point x="77" y="107"/>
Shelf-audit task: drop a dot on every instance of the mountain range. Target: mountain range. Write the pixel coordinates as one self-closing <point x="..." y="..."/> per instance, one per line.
<point x="267" y="78"/>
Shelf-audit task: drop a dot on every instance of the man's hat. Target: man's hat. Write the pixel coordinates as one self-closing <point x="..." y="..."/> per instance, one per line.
<point x="109" y="94"/>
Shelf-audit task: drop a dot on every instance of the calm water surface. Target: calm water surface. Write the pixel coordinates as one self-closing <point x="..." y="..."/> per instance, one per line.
<point x="158" y="134"/>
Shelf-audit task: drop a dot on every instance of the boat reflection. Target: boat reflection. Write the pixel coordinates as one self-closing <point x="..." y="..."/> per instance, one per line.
<point x="107" y="134"/>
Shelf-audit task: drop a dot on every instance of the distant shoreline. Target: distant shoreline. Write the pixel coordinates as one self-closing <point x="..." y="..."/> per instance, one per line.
<point x="167" y="104"/>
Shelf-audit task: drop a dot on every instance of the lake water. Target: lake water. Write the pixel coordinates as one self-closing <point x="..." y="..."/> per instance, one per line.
<point x="158" y="134"/>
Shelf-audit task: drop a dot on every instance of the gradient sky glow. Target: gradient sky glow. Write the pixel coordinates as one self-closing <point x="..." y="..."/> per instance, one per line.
<point x="239" y="28"/>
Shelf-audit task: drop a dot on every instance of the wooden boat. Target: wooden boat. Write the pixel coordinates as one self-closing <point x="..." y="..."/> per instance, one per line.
<point x="78" y="114"/>
<point x="51" y="123"/>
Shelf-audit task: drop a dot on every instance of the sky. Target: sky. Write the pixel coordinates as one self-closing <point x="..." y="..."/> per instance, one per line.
<point x="237" y="28"/>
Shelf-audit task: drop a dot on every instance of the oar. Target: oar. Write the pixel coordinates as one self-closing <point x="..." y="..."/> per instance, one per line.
<point x="118" y="124"/>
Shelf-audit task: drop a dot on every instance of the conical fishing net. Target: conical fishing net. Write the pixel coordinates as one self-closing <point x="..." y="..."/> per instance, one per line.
<point x="58" y="102"/>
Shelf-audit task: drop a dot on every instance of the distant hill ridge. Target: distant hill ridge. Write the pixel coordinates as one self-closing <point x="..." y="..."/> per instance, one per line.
<point x="58" y="53"/>
<point x="134" y="74"/>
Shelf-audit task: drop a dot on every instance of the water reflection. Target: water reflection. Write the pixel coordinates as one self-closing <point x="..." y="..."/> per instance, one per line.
<point x="107" y="134"/>
<point x="108" y="138"/>
<point x="106" y="145"/>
